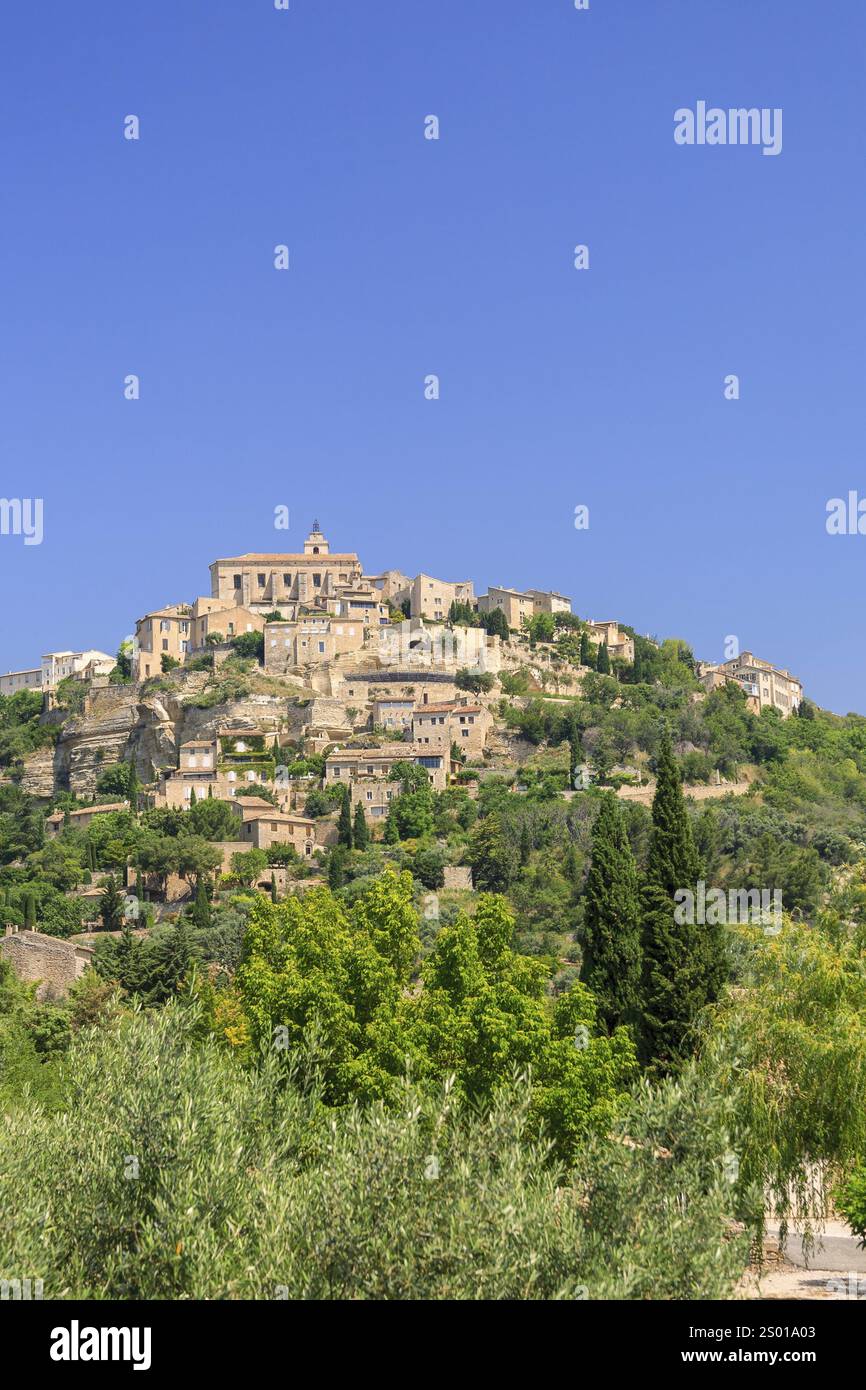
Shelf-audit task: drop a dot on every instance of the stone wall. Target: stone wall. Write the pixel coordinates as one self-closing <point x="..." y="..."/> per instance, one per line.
<point x="54" y="963"/>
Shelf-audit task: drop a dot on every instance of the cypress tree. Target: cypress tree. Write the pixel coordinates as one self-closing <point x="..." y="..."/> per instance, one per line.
<point x="585" y="650"/>
<point x="391" y="834"/>
<point x="344" y="825"/>
<point x="611" y="965"/>
<point x="683" y="962"/>
<point x="525" y="844"/>
<point x="30" y="911"/>
<point x="201" y="913"/>
<point x="603" y="662"/>
<point x="360" y="829"/>
<point x="193" y="799"/>
<point x="336" y="874"/>
<point x="273" y="887"/>
<point x="171" y="961"/>
<point x="111" y="906"/>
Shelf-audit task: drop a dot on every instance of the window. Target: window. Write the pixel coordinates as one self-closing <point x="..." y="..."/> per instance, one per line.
<point x="321" y="646"/>
<point x="317" y="581"/>
<point x="287" y="580"/>
<point x="165" y="644"/>
<point x="184" y="629"/>
<point x="464" y="733"/>
<point x="165" y="625"/>
<point x="238" y="581"/>
<point x="260" y="580"/>
<point x="369" y="796"/>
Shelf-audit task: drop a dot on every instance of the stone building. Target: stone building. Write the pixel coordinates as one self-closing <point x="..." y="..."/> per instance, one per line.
<point x="13" y="681"/>
<point x="262" y="829"/>
<point x="48" y="961"/>
<point x="264" y="582"/>
<point x="519" y="605"/>
<point x="432" y="598"/>
<point x="618" y="643"/>
<point x="164" y="632"/>
<point x="465" y="724"/>
<point x="80" y="819"/>
<point x="766" y="686"/>
<point x="346" y="765"/>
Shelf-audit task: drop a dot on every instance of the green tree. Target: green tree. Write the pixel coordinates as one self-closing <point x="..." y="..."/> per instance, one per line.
<point x="684" y="963"/>
<point x="201" y="915"/>
<point x="603" y="662"/>
<point x="360" y="829"/>
<point x="111" y="906"/>
<point x="490" y="855"/>
<point x="344" y="822"/>
<point x="248" y="865"/>
<point x="611" y="966"/>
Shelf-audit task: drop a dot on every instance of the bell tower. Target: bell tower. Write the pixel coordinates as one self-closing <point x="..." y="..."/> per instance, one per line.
<point x="315" y="544"/>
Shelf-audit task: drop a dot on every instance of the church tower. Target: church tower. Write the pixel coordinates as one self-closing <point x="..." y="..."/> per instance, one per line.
<point x="315" y="544"/>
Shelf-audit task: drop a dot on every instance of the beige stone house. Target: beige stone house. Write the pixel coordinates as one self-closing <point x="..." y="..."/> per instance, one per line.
<point x="313" y="640"/>
<point x="432" y="598"/>
<point x="515" y="605"/>
<point x="264" y="828"/>
<point x="346" y="765"/>
<point x="765" y="685"/>
<point x="519" y="605"/>
<point x="164" y="632"/>
<point x="50" y="962"/>
<point x="465" y="724"/>
<point x="219" y="617"/>
<point x="618" y="643"/>
<point x="13" y="681"/>
<point x="80" y="819"/>
<point x="394" y="712"/>
<point x="548" y="601"/>
<point x="264" y="582"/>
<point x="57" y="666"/>
<point x="374" y="795"/>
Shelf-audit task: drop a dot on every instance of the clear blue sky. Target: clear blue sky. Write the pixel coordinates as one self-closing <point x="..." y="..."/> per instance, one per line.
<point x="409" y="257"/>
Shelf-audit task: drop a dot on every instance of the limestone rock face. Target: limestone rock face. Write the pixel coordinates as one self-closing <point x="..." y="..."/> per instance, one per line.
<point x="94" y="740"/>
<point x="38" y="776"/>
<point x="127" y="724"/>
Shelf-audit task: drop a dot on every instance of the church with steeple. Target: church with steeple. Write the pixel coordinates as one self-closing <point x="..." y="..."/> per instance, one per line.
<point x="264" y="582"/>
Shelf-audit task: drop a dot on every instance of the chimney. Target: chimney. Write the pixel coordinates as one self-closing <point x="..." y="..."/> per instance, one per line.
<point x="9" y="929"/>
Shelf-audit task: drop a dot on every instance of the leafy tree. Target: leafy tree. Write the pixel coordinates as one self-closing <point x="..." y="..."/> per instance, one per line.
<point x="250" y="645"/>
<point x="428" y="866"/>
<point x="478" y="682"/>
<point x="248" y="865"/>
<point x="197" y="859"/>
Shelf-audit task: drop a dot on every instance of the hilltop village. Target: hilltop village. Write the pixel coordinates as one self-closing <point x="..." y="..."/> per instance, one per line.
<point x="302" y="679"/>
